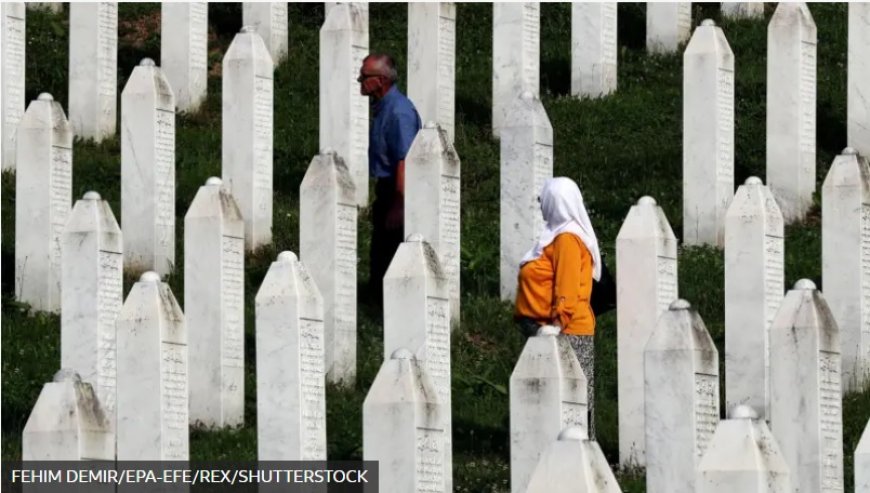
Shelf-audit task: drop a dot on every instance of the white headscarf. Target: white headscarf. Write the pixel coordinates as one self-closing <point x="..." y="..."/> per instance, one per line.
<point x="564" y="212"/>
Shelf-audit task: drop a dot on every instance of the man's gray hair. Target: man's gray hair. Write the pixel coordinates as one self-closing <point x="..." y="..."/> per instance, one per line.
<point x="387" y="65"/>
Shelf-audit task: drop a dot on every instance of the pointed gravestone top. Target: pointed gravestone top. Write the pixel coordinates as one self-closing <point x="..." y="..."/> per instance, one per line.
<point x="67" y="375"/>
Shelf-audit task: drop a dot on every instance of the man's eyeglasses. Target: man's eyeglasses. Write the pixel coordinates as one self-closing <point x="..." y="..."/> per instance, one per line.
<point x="363" y="77"/>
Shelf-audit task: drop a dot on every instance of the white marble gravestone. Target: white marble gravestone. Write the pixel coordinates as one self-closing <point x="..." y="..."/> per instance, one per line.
<point x="93" y="69"/>
<point x="291" y="384"/>
<point x="791" y="109"/>
<point x="573" y="464"/>
<point x="14" y="47"/>
<point x="344" y="112"/>
<point x="327" y="245"/>
<point x="432" y="201"/>
<point x="92" y="279"/>
<point x="846" y="261"/>
<point x="184" y="51"/>
<point x="432" y="62"/>
<point x="526" y="163"/>
<point x="646" y="253"/>
<point x="547" y="394"/>
<point x="742" y="10"/>
<point x="152" y="361"/>
<point x="862" y="462"/>
<point x="67" y="422"/>
<point x="148" y="170"/>
<point x="858" y="100"/>
<point x="248" y="122"/>
<point x="805" y="402"/>
<point x="754" y="287"/>
<point x="271" y="22"/>
<point x="214" y="306"/>
<point x="681" y="392"/>
<point x="516" y="56"/>
<point x="593" y="49"/>
<point x="403" y="427"/>
<point x="668" y="25"/>
<point x="43" y="195"/>
<point x="743" y="456"/>
<point x="708" y="135"/>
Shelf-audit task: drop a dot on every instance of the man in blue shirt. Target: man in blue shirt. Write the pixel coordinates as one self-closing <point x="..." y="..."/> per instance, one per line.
<point x="393" y="128"/>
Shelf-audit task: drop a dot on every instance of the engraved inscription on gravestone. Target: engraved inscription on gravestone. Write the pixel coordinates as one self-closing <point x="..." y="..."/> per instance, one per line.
<point x="774" y="285"/>
<point x="667" y="282"/>
<point x="706" y="410"/>
<point x="174" y="402"/>
<point x="725" y="126"/>
<point x="808" y="100"/>
<point x="531" y="47"/>
<point x="446" y="71"/>
<point x="61" y="189"/>
<point x="107" y="40"/>
<point x="164" y="160"/>
<point x="313" y="388"/>
<point x="430" y="460"/>
<point x="830" y="421"/>
<point x="232" y="278"/>
<point x="109" y="302"/>
<point x="437" y="359"/>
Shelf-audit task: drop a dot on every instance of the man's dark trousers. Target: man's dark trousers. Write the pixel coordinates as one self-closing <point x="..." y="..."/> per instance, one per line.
<point x="385" y="241"/>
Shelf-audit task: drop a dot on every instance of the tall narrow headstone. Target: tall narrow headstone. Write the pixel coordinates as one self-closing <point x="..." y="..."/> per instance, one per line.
<point x="327" y="245"/>
<point x="92" y="279"/>
<point x="214" y="306"/>
<point x="432" y="62"/>
<point x="291" y="384"/>
<point x="93" y="69"/>
<point x="432" y="201"/>
<point x="743" y="10"/>
<point x="271" y="22"/>
<point x="43" y="195"/>
<point x="14" y="43"/>
<point x="846" y="261"/>
<point x="573" y="464"/>
<point x="754" y="287"/>
<point x="791" y="109"/>
<point x="526" y="163"/>
<point x="862" y="462"/>
<point x="668" y="25"/>
<point x="743" y="456"/>
<point x="148" y="170"/>
<point x="805" y="402"/>
<point x="184" y="51"/>
<point x="516" y="56"/>
<point x="246" y="150"/>
<point x="547" y="394"/>
<point x="344" y="112"/>
<point x="403" y="427"/>
<point x="708" y="135"/>
<point x="646" y="253"/>
<point x="152" y="399"/>
<point x="858" y="101"/>
<point x="68" y="422"/>
<point x="681" y="392"/>
<point x="593" y="49"/>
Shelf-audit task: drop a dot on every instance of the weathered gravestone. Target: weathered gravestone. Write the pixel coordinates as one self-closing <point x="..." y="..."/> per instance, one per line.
<point x="743" y="456"/>
<point x="573" y="464"/>
<point x="742" y="10"/>
<point x="271" y="23"/>
<point x="403" y="427"/>
<point x="14" y="43"/>
<point x="43" y="194"/>
<point x="791" y="109"/>
<point x="668" y="25"/>
<point x="754" y="287"/>
<point x="526" y="163"/>
<point x="708" y="135"/>
<point x="432" y="174"/>
<point x="805" y="403"/>
<point x="432" y="62"/>
<point x="547" y="394"/>
<point x="152" y="391"/>
<point x="646" y="253"/>
<point x="327" y="245"/>
<point x="246" y="150"/>
<point x="516" y="56"/>
<point x="593" y="49"/>
<point x="846" y="261"/>
<point x="93" y="69"/>
<point x="291" y="388"/>
<point x="417" y="316"/>
<point x="214" y="306"/>
<point x="148" y="170"/>
<point x="862" y="462"/>
<point x="67" y="422"/>
<point x="92" y="279"/>
<point x="681" y="392"/>
<point x="858" y="101"/>
<point x="344" y="112"/>
<point x="184" y="51"/>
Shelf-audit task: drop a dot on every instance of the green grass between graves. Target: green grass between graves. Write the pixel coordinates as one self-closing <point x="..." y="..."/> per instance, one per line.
<point x="618" y="149"/>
